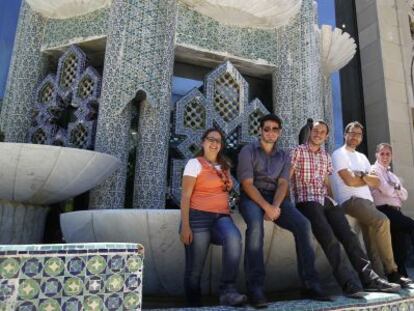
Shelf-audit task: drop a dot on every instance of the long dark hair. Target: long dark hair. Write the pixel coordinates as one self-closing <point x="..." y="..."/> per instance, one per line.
<point x="221" y="158"/>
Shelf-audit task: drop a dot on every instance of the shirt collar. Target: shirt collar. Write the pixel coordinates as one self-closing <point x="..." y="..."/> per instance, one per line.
<point x="385" y="168"/>
<point x="258" y="145"/>
<point x="307" y="147"/>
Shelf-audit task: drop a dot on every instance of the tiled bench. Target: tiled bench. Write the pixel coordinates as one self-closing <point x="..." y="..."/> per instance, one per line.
<point x="71" y="277"/>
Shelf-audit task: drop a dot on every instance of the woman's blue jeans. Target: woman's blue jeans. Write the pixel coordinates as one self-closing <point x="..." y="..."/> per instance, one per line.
<point x="290" y="219"/>
<point x="217" y="229"/>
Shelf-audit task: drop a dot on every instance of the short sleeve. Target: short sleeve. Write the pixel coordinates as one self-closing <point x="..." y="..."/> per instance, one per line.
<point x="192" y="168"/>
<point x="245" y="164"/>
<point x="286" y="166"/>
<point x="294" y="157"/>
<point x="339" y="161"/>
<point x="366" y="163"/>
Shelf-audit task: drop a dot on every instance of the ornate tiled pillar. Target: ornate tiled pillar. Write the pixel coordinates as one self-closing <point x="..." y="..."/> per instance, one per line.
<point x="139" y="56"/>
<point x="154" y="115"/>
<point x="296" y="81"/>
<point x="27" y="66"/>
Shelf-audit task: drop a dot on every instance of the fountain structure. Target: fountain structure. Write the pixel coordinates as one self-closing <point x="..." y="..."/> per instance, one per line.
<point x="134" y="44"/>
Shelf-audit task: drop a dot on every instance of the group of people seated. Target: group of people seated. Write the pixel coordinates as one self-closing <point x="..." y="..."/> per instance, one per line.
<point x="371" y="194"/>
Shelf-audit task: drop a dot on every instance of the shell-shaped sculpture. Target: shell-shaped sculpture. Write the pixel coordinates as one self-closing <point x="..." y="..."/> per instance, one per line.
<point x="337" y="48"/>
<point x="41" y="174"/>
<point x="62" y="9"/>
<point x="263" y="14"/>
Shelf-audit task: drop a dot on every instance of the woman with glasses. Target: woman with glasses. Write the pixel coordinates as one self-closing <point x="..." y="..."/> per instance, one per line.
<point x="388" y="198"/>
<point x="205" y="219"/>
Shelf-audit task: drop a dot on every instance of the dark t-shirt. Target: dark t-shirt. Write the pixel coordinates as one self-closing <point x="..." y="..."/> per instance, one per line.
<point x="263" y="168"/>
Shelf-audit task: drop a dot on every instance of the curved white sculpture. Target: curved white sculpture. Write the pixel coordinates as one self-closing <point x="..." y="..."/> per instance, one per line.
<point x="41" y="174"/>
<point x="256" y="14"/>
<point x="337" y="48"/>
<point x="61" y="9"/>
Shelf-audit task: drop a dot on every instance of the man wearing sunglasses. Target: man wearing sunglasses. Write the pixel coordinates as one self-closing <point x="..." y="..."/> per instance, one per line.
<point x="352" y="180"/>
<point x="311" y="167"/>
<point x="263" y="171"/>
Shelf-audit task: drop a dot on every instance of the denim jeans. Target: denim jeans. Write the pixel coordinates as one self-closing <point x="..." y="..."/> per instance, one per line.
<point x="290" y="219"/>
<point x="217" y="229"/>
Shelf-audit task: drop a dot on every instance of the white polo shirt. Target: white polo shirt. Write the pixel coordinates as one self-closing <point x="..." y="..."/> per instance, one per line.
<point x="354" y="161"/>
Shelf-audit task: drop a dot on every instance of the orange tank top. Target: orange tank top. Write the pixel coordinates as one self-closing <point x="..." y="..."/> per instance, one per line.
<point x="208" y="194"/>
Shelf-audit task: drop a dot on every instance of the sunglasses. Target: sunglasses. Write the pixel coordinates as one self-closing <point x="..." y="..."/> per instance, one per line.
<point x="213" y="140"/>
<point x="273" y="129"/>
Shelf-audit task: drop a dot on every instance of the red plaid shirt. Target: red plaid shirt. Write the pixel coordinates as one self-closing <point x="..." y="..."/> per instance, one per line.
<point x="311" y="168"/>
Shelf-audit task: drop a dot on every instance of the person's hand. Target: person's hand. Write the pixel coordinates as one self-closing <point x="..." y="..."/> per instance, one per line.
<point x="186" y="235"/>
<point x="271" y="212"/>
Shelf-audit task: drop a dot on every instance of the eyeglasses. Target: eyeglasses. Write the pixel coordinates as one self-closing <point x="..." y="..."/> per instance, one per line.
<point x="213" y="140"/>
<point x="273" y="129"/>
<point x="354" y="134"/>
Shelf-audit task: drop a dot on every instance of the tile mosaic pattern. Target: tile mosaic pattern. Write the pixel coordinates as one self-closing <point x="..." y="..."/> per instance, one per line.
<point x="296" y="81"/>
<point x="374" y="302"/>
<point x="27" y="67"/>
<point x="139" y="56"/>
<point x="75" y="89"/>
<point x="60" y="32"/>
<point x="292" y="48"/>
<point x="71" y="277"/>
<point x="224" y="104"/>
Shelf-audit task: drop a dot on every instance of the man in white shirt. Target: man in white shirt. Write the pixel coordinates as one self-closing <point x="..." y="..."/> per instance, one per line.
<point x="351" y="182"/>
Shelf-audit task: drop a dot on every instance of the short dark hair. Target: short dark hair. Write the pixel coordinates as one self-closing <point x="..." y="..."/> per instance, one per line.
<point x="383" y="145"/>
<point x="323" y="123"/>
<point x="270" y="117"/>
<point x="353" y="124"/>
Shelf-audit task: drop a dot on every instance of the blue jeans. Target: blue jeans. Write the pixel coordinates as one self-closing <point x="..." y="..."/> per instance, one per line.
<point x="290" y="219"/>
<point x="217" y="229"/>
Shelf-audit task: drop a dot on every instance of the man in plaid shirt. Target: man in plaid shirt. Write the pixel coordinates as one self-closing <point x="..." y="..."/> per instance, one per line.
<point x="311" y="167"/>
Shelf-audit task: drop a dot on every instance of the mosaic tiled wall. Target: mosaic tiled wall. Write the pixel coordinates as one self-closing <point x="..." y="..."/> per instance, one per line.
<point x="65" y="32"/>
<point x="199" y="31"/>
<point x="27" y="67"/>
<point x="224" y="104"/>
<point x="72" y="94"/>
<point x="296" y="81"/>
<point x="293" y="49"/>
<point x="71" y="277"/>
<point x="139" y="56"/>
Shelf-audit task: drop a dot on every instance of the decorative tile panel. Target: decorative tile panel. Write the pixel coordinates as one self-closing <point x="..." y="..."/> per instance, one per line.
<point x="74" y="88"/>
<point x="296" y="82"/>
<point x="139" y="56"/>
<point x="224" y="105"/>
<point x="63" y="32"/>
<point x="26" y="67"/>
<point x="71" y="277"/>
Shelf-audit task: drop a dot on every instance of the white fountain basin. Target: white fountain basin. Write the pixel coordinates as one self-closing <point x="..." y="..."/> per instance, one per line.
<point x="157" y="231"/>
<point x="42" y="175"/>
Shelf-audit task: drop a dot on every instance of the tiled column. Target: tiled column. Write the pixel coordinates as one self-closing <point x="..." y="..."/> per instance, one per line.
<point x="26" y="68"/>
<point x="154" y="115"/>
<point x="296" y="81"/>
<point x="139" y="56"/>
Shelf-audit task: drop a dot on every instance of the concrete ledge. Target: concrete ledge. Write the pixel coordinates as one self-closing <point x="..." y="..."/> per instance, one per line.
<point x="157" y="231"/>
